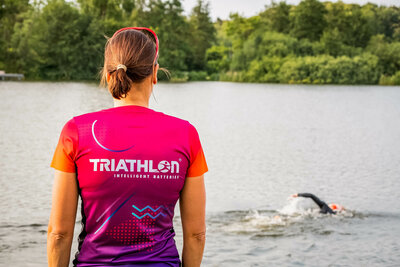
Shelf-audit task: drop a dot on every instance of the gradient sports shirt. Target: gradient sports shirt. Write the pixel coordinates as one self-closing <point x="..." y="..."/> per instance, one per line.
<point x="131" y="164"/>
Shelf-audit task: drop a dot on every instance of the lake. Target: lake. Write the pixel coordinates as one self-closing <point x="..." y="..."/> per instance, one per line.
<point x="262" y="143"/>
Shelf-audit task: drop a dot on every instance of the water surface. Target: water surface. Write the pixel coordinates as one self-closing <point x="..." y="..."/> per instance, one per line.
<point x="262" y="143"/>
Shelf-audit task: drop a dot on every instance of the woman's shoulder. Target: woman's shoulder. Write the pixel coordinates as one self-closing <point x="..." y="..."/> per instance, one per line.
<point x="159" y="117"/>
<point x="173" y="119"/>
<point x="177" y="124"/>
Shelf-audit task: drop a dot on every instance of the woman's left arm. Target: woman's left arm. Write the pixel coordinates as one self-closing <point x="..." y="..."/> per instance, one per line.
<point x="62" y="218"/>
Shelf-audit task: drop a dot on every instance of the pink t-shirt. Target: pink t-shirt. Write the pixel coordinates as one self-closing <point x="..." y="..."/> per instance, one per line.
<point x="131" y="164"/>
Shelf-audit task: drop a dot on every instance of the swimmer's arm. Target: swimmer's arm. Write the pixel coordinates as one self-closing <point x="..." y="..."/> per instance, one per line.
<point x="317" y="201"/>
<point x="62" y="218"/>
<point x="326" y="209"/>
<point x="192" y="204"/>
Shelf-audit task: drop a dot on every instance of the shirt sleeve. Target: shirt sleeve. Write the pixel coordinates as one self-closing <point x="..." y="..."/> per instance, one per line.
<point x="65" y="153"/>
<point x="198" y="164"/>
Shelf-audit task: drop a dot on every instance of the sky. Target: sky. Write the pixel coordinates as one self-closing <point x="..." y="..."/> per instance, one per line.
<point x="222" y="8"/>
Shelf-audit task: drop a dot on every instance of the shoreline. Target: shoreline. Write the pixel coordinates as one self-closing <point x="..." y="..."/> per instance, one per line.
<point x="95" y="82"/>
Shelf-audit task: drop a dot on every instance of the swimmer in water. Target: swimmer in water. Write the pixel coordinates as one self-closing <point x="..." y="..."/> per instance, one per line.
<point x="324" y="208"/>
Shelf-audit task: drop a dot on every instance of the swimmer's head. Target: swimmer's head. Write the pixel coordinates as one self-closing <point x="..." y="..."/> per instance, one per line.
<point x="336" y="207"/>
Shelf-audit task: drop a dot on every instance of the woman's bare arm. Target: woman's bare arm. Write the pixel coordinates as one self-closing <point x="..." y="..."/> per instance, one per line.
<point x="192" y="204"/>
<point x="62" y="219"/>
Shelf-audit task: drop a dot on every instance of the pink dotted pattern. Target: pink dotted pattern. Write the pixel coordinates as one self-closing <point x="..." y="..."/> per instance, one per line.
<point x="138" y="234"/>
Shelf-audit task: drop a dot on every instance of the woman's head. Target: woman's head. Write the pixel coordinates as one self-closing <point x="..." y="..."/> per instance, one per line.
<point x="129" y="59"/>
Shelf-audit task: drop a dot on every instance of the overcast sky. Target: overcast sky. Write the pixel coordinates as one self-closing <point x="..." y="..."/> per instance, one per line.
<point x="222" y="8"/>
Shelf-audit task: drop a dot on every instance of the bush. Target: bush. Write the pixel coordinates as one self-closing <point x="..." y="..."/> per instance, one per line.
<point x="363" y="69"/>
<point x="179" y="76"/>
<point x="390" y="80"/>
<point x="217" y="59"/>
<point x="214" y="77"/>
<point x="232" y="76"/>
<point x="265" y="70"/>
<point x="197" y="76"/>
<point x="396" y="78"/>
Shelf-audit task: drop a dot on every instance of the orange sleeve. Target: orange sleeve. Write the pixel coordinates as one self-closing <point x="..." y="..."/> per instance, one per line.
<point x="198" y="164"/>
<point x="65" y="153"/>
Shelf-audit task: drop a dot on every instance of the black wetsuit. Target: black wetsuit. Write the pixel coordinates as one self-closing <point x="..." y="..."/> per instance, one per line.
<point x="324" y="208"/>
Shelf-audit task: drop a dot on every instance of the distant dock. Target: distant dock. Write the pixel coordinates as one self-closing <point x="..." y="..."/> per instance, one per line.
<point x="10" y="76"/>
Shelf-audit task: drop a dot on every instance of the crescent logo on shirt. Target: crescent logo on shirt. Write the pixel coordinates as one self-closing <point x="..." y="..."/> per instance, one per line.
<point x="102" y="146"/>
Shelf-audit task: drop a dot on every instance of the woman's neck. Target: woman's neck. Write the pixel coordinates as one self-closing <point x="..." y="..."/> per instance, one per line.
<point x="137" y="97"/>
<point x="125" y="102"/>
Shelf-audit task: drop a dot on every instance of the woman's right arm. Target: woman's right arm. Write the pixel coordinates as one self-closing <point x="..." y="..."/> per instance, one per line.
<point x="62" y="219"/>
<point x="192" y="204"/>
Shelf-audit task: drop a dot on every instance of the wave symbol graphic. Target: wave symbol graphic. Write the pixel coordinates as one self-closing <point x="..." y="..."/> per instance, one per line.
<point x="148" y="214"/>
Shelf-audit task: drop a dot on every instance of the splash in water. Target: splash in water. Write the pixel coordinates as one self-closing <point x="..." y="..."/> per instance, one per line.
<point x="298" y="212"/>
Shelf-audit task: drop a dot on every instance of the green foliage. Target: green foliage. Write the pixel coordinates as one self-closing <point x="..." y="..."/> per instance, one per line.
<point x="198" y="76"/>
<point x="328" y="43"/>
<point x="232" y="76"/>
<point x="354" y="24"/>
<point x="217" y="59"/>
<point x="179" y="76"/>
<point x="264" y="70"/>
<point x="331" y="42"/>
<point x="202" y="35"/>
<point x="172" y="29"/>
<point x="308" y="20"/>
<point x="312" y="42"/>
<point x="10" y="14"/>
<point x="184" y="76"/>
<point x="57" y="42"/>
<point x="277" y="16"/>
<point x="61" y="42"/>
<point x="26" y="46"/>
<point x="388" y="53"/>
<point x="390" y="80"/>
<point x="327" y="69"/>
<point x="238" y="29"/>
<point x="390" y="22"/>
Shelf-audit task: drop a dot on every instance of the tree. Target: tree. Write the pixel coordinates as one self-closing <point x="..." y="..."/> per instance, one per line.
<point x="332" y="42"/>
<point x="308" y="20"/>
<point x="64" y="39"/>
<point x="109" y="14"/>
<point x="278" y="17"/>
<point x="202" y="34"/>
<point x="10" y="14"/>
<point x="26" y="46"/>
<point x="217" y="59"/>
<point x="106" y="9"/>
<point x="172" y="29"/>
<point x="389" y="18"/>
<point x="388" y="53"/>
<point x="239" y="30"/>
<point x="355" y="24"/>
<point x="57" y="42"/>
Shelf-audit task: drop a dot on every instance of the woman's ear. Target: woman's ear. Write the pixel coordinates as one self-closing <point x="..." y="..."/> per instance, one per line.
<point x="108" y="77"/>
<point x="155" y="72"/>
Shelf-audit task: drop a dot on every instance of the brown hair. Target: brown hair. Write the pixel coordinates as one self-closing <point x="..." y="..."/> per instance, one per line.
<point x="136" y="51"/>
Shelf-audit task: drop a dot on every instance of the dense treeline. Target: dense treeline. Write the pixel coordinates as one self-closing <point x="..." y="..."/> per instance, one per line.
<point x="58" y="39"/>
<point x="312" y="42"/>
